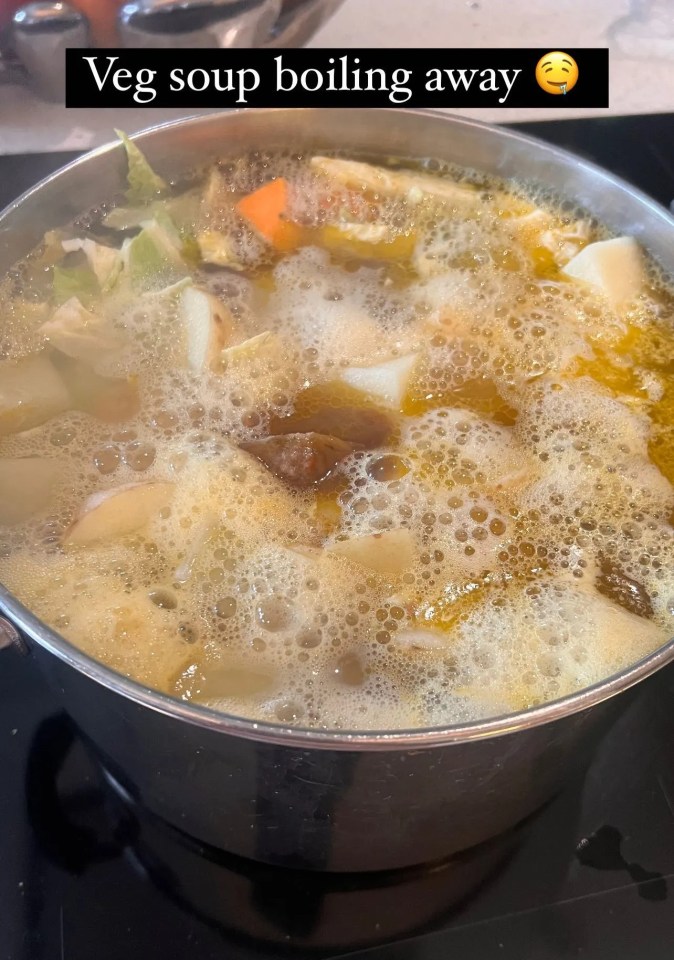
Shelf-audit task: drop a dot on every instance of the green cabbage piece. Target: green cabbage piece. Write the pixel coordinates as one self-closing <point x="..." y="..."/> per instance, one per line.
<point x="106" y="262"/>
<point x="153" y="258"/>
<point x="77" y="282"/>
<point x="177" y="213"/>
<point x="126" y="218"/>
<point x="191" y="250"/>
<point x="184" y="210"/>
<point x="143" y="183"/>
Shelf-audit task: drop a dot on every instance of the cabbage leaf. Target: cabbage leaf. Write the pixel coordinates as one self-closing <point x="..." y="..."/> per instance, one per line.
<point x="143" y="183"/>
<point x="77" y="282"/>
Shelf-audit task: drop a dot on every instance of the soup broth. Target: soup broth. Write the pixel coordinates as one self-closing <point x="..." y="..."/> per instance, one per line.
<point x="341" y="444"/>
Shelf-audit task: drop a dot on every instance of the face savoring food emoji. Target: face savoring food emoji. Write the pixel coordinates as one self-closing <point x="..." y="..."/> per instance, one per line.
<point x="557" y="72"/>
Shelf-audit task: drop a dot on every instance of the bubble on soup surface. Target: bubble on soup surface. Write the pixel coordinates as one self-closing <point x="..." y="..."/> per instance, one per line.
<point x="274" y="614"/>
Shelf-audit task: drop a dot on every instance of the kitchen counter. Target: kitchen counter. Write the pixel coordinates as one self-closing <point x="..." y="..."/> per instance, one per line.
<point x="639" y="33"/>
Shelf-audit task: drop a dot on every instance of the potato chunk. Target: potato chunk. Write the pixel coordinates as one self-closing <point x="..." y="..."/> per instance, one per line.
<point x="116" y="513"/>
<point x="217" y="193"/>
<point x="421" y="639"/>
<point x="209" y="327"/>
<point x="404" y="184"/>
<point x="79" y="333"/>
<point x="31" y="392"/>
<point x="564" y="632"/>
<point x="385" y="381"/>
<point x="389" y="553"/>
<point x="613" y="267"/>
<point x="368" y="241"/>
<point x="217" y="248"/>
<point x="263" y="348"/>
<point x="128" y="632"/>
<point x="26" y="484"/>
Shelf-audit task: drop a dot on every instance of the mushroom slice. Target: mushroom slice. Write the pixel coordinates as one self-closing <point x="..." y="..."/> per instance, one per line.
<point x="366" y="426"/>
<point x="612" y="582"/>
<point x="301" y="459"/>
<point x="115" y="513"/>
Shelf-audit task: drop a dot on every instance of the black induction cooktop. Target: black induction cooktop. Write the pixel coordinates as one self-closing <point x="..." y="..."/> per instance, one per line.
<point x="84" y="877"/>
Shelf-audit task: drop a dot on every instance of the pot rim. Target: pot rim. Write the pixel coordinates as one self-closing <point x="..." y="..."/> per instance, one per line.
<point x="302" y="737"/>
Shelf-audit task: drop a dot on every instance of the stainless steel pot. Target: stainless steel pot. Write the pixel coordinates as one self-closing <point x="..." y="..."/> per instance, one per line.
<point x="298" y="798"/>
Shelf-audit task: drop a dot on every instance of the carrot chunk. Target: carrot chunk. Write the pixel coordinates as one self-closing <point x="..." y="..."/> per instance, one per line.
<point x="266" y="210"/>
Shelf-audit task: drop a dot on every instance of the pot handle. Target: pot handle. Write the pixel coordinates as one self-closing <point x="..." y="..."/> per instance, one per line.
<point x="10" y="637"/>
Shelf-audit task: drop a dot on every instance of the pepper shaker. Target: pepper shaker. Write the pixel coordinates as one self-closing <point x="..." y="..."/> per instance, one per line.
<point x="197" y="23"/>
<point x="41" y="33"/>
